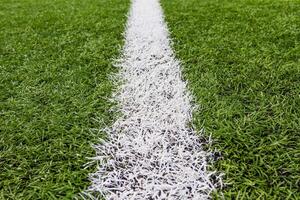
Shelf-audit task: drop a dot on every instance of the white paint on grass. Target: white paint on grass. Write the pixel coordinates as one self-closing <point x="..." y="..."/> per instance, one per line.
<point x="151" y="152"/>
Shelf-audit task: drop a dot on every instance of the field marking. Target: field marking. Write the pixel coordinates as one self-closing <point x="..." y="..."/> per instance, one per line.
<point x="151" y="152"/>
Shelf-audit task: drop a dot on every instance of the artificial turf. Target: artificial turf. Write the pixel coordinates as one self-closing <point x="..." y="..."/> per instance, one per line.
<point x="241" y="59"/>
<point x="55" y="61"/>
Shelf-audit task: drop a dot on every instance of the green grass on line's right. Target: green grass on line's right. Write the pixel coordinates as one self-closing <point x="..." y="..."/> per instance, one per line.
<point x="55" y="58"/>
<point x="242" y="62"/>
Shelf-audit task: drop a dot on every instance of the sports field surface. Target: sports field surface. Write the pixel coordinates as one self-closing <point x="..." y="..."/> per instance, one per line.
<point x="242" y="62"/>
<point x="55" y="58"/>
<point x="188" y="99"/>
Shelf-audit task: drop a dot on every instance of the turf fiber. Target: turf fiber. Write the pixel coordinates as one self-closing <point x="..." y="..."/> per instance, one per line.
<point x="55" y="57"/>
<point x="242" y="61"/>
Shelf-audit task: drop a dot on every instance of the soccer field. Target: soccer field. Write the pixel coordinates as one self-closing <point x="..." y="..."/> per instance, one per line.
<point x="242" y="62"/>
<point x="59" y="97"/>
<point x="55" y="58"/>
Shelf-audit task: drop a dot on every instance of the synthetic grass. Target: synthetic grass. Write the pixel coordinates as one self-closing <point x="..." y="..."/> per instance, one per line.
<point x="55" y="57"/>
<point x="242" y="61"/>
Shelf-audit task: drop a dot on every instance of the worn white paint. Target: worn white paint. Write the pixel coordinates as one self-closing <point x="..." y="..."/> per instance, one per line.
<point x="151" y="152"/>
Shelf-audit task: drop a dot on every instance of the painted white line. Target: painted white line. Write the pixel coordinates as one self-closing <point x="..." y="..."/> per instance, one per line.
<point x="151" y="152"/>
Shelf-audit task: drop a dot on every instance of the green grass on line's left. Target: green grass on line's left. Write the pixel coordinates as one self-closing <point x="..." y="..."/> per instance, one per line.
<point x="55" y="57"/>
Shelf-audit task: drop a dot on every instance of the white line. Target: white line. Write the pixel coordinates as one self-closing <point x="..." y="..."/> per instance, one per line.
<point x="151" y="153"/>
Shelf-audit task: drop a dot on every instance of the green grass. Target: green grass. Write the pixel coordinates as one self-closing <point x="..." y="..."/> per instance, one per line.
<point x="242" y="61"/>
<point x="55" y="57"/>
